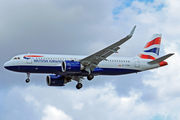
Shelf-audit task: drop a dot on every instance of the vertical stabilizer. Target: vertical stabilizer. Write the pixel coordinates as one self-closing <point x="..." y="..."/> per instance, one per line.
<point x="151" y="49"/>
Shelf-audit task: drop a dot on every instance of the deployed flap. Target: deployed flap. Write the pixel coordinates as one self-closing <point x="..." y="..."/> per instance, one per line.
<point x="93" y="60"/>
<point x="158" y="60"/>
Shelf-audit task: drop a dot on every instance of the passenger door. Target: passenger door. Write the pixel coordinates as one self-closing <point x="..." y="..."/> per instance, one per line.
<point x="29" y="60"/>
<point x="136" y="61"/>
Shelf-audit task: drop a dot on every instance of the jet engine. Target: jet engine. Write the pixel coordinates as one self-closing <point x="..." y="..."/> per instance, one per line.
<point x="53" y="80"/>
<point x="72" y="66"/>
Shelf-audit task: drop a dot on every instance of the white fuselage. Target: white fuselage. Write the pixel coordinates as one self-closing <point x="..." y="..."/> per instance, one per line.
<point x="45" y="63"/>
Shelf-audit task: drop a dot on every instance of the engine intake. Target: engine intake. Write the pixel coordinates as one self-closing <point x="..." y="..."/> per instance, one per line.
<point x="71" y="66"/>
<point x="53" y="80"/>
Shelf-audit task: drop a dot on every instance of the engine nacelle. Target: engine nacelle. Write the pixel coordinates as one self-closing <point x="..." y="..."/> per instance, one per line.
<point x="71" y="66"/>
<point x="53" y="80"/>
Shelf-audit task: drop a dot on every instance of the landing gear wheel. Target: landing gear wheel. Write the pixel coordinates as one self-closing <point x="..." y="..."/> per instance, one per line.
<point x="79" y="86"/>
<point x="27" y="80"/>
<point x="90" y="76"/>
<point x="28" y="75"/>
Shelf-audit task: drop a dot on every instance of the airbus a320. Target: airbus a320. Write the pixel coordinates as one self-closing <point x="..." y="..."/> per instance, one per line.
<point x="64" y="68"/>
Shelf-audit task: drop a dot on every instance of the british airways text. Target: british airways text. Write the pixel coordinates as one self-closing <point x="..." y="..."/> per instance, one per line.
<point x="49" y="61"/>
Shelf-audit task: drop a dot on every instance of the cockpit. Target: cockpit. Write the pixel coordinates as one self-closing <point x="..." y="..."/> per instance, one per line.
<point x="16" y="58"/>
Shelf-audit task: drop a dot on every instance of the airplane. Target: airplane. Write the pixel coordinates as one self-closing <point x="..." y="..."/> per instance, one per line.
<point x="65" y="68"/>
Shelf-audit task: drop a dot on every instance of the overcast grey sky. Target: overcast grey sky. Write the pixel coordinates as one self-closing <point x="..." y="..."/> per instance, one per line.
<point x="84" y="27"/>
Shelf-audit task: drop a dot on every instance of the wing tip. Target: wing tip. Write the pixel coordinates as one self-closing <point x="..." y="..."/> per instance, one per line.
<point x="170" y="54"/>
<point x="132" y="32"/>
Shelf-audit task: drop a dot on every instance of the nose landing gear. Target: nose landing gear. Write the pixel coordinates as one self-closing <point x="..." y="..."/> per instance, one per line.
<point x="28" y="80"/>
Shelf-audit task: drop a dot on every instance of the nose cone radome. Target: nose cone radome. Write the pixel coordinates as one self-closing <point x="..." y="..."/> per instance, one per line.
<point x="7" y="65"/>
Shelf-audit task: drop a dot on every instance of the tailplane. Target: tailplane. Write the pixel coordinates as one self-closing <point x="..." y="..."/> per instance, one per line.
<point x="161" y="59"/>
<point x="151" y="50"/>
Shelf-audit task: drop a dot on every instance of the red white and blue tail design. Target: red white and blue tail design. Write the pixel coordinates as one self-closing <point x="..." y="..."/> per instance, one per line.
<point x="151" y="50"/>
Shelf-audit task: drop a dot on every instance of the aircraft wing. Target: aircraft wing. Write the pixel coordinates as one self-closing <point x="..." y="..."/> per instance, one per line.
<point x="93" y="60"/>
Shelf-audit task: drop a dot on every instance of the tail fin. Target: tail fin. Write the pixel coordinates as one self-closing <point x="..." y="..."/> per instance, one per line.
<point x="151" y="50"/>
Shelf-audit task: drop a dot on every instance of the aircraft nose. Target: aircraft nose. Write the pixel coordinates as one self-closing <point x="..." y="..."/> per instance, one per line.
<point x="7" y="64"/>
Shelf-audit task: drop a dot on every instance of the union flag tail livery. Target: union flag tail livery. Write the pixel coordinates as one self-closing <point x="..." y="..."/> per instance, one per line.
<point x="151" y="49"/>
<point x="74" y="67"/>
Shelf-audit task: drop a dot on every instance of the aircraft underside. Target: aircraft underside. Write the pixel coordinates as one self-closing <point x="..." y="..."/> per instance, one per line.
<point x="57" y="70"/>
<point x="60" y="78"/>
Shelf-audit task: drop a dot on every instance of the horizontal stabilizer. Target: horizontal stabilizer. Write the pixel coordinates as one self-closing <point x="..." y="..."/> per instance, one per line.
<point x="158" y="60"/>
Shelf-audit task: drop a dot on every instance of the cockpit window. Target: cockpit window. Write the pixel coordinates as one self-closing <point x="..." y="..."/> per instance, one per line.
<point x="16" y="58"/>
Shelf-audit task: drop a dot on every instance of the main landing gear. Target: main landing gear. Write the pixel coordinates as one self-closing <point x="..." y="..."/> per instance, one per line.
<point x="79" y="86"/>
<point x="79" y="81"/>
<point x="90" y="77"/>
<point x="28" y="80"/>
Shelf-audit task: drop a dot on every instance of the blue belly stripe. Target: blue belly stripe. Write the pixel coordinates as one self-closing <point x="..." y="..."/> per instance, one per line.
<point x="55" y="69"/>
